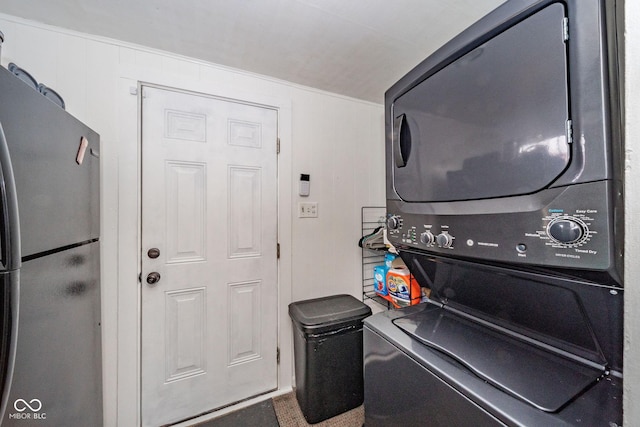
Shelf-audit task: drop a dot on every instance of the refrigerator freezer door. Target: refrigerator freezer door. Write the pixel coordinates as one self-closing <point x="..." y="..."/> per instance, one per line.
<point x="58" y="368"/>
<point x="57" y="197"/>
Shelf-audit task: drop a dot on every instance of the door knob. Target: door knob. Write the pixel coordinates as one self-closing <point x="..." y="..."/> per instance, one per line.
<point x="153" y="278"/>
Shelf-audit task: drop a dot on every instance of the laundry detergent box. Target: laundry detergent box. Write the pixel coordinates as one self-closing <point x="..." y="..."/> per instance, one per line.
<point x="403" y="289"/>
<point x="380" y="279"/>
<point x="389" y="258"/>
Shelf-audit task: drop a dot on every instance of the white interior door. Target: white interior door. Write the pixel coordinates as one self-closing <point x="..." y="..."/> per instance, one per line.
<point x="209" y="232"/>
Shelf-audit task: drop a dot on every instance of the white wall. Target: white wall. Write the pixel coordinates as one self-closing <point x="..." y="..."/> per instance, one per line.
<point x="337" y="140"/>
<point x="632" y="213"/>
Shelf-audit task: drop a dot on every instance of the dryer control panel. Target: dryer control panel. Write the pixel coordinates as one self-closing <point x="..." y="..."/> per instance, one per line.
<point x="571" y="231"/>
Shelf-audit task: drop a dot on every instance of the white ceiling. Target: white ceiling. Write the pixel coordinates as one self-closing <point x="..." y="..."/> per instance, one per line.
<point x="357" y="48"/>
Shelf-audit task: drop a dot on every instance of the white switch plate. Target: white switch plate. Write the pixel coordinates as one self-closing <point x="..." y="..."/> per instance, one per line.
<point x="308" y="210"/>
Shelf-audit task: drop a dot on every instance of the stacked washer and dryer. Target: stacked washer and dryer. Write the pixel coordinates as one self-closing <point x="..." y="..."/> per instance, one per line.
<point x="505" y="198"/>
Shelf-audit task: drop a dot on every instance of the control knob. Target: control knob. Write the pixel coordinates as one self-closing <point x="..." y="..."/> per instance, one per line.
<point x="393" y="222"/>
<point x="444" y="240"/>
<point x="427" y="238"/>
<point x="566" y="230"/>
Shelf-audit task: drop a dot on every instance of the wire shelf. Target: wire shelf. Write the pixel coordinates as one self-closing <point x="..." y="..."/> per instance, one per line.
<point x="372" y="217"/>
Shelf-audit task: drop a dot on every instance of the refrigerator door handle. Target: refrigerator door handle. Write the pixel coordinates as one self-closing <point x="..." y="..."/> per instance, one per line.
<point x="10" y="278"/>
<point x="10" y="222"/>
<point x="10" y="294"/>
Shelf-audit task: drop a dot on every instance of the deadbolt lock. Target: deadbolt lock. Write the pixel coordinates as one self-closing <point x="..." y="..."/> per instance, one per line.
<point x="153" y="253"/>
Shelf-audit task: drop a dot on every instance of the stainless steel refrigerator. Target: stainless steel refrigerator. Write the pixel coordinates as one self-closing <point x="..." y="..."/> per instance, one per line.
<point x="51" y="364"/>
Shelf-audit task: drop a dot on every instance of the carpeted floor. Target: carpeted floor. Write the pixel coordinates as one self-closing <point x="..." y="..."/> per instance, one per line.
<point x="290" y="415"/>
<point x="282" y="411"/>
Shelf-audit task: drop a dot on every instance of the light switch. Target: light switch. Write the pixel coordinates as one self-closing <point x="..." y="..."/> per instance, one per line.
<point x="308" y="210"/>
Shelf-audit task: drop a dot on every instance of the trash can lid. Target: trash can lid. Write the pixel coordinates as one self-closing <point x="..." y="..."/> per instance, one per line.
<point x="328" y="310"/>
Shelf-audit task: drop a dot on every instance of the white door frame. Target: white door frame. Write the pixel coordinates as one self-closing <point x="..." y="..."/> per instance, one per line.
<point x="130" y="223"/>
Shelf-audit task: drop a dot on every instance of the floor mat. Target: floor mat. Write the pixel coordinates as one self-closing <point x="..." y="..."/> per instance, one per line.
<point x="261" y="414"/>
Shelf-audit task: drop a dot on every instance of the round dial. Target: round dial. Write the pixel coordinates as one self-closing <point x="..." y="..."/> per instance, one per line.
<point x="567" y="230"/>
<point x="427" y="238"/>
<point x="444" y="240"/>
<point x="393" y="222"/>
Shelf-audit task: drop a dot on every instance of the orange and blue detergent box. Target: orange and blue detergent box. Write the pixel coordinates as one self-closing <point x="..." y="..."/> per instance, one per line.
<point x="403" y="289"/>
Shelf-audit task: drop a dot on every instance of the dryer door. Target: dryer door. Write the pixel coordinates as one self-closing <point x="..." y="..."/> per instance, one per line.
<point x="492" y="123"/>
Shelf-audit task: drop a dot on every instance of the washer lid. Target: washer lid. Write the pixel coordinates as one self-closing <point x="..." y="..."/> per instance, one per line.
<point x="528" y="372"/>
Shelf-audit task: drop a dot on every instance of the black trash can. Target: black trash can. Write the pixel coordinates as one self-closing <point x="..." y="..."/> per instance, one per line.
<point x="327" y="345"/>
